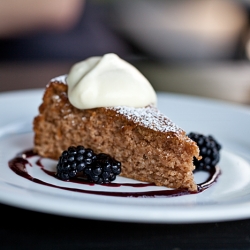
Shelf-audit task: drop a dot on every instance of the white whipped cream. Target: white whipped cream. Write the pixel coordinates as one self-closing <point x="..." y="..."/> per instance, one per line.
<point x="108" y="81"/>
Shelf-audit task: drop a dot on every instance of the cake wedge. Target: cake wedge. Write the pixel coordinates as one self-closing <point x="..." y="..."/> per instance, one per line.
<point x="149" y="145"/>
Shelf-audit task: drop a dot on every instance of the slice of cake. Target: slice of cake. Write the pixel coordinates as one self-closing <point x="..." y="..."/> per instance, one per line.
<point x="150" y="147"/>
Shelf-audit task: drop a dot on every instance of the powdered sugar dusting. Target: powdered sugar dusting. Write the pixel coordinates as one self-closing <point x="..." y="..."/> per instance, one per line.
<point x="149" y="117"/>
<point x="61" y="79"/>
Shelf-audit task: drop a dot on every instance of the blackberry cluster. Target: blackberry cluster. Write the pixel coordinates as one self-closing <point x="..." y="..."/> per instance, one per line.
<point x="97" y="168"/>
<point x="209" y="150"/>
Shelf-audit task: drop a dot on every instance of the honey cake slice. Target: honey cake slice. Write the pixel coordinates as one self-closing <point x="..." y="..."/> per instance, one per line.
<point x="150" y="147"/>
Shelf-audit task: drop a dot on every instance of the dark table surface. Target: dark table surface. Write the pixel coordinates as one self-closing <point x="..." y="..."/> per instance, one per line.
<point x="25" y="229"/>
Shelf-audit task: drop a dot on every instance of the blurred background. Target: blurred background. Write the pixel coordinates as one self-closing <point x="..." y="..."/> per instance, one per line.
<point x="194" y="47"/>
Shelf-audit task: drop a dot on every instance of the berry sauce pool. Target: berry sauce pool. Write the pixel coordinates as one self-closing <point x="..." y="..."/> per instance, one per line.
<point x="18" y="166"/>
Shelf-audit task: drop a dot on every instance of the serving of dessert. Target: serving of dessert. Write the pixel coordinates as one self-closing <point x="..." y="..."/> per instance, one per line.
<point x="101" y="120"/>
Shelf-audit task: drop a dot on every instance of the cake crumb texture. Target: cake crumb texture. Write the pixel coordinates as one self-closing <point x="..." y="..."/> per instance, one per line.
<point x="150" y="146"/>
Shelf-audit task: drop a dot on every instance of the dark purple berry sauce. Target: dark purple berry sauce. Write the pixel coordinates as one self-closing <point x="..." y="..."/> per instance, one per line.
<point x="18" y="165"/>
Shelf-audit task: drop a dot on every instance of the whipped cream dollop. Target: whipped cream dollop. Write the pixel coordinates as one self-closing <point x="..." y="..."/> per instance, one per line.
<point x="108" y="81"/>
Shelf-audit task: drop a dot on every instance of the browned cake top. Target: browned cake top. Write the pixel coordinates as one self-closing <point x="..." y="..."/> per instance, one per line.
<point x="150" y="117"/>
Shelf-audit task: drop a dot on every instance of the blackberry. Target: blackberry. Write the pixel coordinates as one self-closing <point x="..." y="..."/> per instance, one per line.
<point x="73" y="161"/>
<point x="209" y="150"/>
<point x="101" y="168"/>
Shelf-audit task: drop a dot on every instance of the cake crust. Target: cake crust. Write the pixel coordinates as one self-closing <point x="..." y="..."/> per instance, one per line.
<point x="150" y="147"/>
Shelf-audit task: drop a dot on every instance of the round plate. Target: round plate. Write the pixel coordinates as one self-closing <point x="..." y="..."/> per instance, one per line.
<point x="227" y="199"/>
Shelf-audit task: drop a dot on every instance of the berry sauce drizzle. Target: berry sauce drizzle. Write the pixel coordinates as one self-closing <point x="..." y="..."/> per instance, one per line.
<point x="18" y="165"/>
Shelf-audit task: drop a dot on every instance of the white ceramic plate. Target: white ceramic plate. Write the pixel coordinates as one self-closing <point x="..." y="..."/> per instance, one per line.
<point x="227" y="199"/>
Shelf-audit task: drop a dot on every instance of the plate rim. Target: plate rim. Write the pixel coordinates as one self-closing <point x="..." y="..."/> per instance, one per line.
<point x="154" y="219"/>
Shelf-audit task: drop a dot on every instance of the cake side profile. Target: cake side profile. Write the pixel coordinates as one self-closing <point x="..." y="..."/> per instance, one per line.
<point x="149" y="145"/>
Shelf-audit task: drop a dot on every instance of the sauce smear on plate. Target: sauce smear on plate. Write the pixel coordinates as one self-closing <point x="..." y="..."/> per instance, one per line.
<point x="18" y="166"/>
